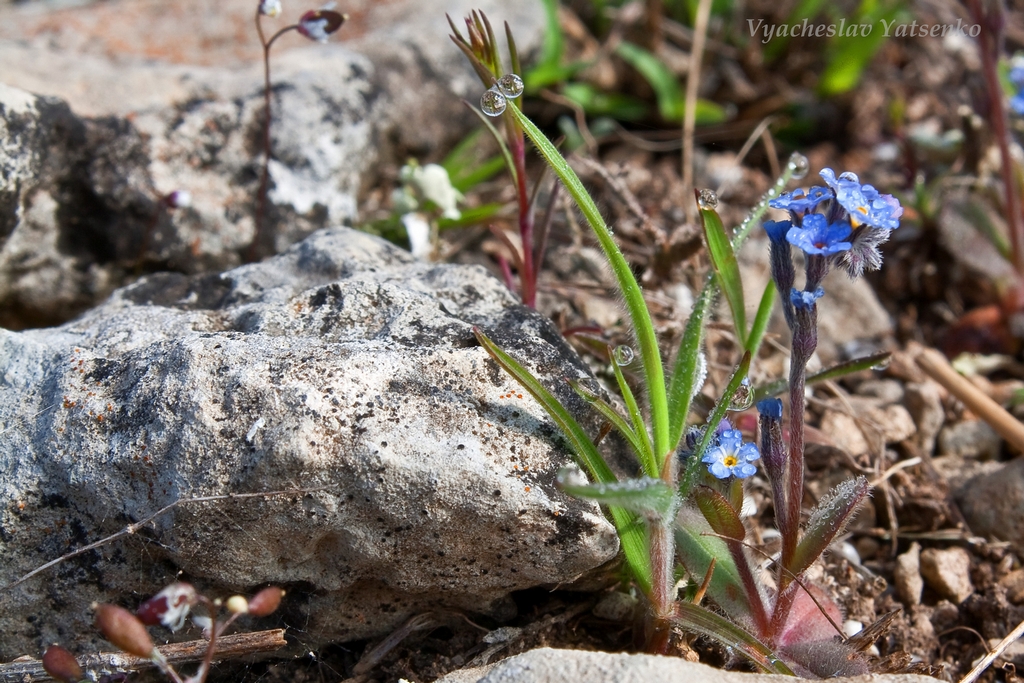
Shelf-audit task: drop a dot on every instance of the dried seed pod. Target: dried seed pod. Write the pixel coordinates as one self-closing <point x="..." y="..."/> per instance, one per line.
<point x="124" y="630"/>
<point x="266" y="601"/>
<point x="62" y="665"/>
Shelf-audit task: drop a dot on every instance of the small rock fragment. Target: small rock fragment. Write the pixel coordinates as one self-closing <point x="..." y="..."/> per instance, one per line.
<point x="1014" y="585"/>
<point x="844" y="432"/>
<point x="887" y="391"/>
<point x="993" y="503"/>
<point x="896" y="423"/>
<point x="971" y="439"/>
<point x="924" y="400"/>
<point x="907" y="576"/>
<point x="616" y="606"/>
<point x="948" y="572"/>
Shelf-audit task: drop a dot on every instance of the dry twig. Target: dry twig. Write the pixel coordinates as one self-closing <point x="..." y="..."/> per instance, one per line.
<point x="28" y="670"/>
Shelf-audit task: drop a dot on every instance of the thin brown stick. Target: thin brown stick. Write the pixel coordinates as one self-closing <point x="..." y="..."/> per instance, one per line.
<point x="29" y="670"/>
<point x="132" y="528"/>
<point x="1006" y="425"/>
<point x="991" y="656"/>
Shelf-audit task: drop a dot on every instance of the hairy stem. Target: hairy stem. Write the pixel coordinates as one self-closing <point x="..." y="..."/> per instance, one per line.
<point x="527" y="278"/>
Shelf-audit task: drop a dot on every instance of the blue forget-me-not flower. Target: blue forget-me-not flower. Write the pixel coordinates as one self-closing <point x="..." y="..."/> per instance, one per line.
<point x="818" y="236"/>
<point x="731" y="457"/>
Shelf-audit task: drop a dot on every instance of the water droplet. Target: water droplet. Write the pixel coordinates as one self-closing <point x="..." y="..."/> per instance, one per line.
<point x="743" y="398"/>
<point x="707" y="200"/>
<point x="511" y="86"/>
<point x="493" y="102"/>
<point x="883" y="364"/>
<point x="623" y="355"/>
<point x="798" y="162"/>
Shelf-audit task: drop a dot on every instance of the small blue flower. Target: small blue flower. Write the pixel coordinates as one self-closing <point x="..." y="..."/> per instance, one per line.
<point x="1017" y="76"/>
<point x="730" y="457"/>
<point x="816" y="236"/>
<point x="802" y="299"/>
<point x="800" y="201"/>
<point x="770" y="407"/>
<point x="864" y="204"/>
<point x="1017" y="103"/>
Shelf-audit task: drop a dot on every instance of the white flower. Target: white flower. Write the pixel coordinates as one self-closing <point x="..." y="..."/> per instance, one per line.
<point x="270" y="8"/>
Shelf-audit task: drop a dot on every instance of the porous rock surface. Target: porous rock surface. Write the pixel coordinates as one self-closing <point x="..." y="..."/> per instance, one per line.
<point x="340" y="367"/>
<point x="548" y="665"/>
<point x="81" y="208"/>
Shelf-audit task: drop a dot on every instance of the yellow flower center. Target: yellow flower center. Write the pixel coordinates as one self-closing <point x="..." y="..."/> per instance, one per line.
<point x="730" y="461"/>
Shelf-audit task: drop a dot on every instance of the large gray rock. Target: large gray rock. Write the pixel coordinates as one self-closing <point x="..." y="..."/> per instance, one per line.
<point x="547" y="665"/>
<point x="340" y="367"/>
<point x="81" y="207"/>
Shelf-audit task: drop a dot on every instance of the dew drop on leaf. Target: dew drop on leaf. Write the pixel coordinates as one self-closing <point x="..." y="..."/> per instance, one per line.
<point x="493" y="102"/>
<point x="511" y="86"/>
<point x="707" y="200"/>
<point x="623" y="355"/>
<point x="883" y="364"/>
<point x="799" y="164"/>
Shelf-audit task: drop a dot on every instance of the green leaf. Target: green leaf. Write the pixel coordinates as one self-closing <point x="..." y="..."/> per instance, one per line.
<point x="611" y="415"/>
<point x="632" y="534"/>
<point x="643" y="327"/>
<point x="683" y="384"/>
<point x="700" y="620"/>
<point x="584" y="448"/>
<point x="649" y="497"/>
<point x="513" y="51"/>
<point x="477" y="214"/>
<point x="781" y="386"/>
<point x="760" y="324"/>
<point x="469" y="178"/>
<point x="719" y="513"/>
<point x="727" y="270"/>
<point x="554" y="43"/>
<point x="661" y="79"/>
<point x="829" y="518"/>
<point x="694" y="464"/>
<point x="499" y="138"/>
<point x="696" y="547"/>
<point x="648" y="461"/>
<point x="598" y="103"/>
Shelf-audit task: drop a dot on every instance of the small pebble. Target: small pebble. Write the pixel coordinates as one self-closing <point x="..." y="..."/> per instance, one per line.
<point x="947" y="572"/>
<point x="1014" y="585"/>
<point x="896" y="423"/>
<point x="888" y="391"/>
<point x="616" y="606"/>
<point x="907" y="576"/>
<point x="924" y="400"/>
<point x="973" y="438"/>
<point x="844" y="432"/>
<point x="993" y="503"/>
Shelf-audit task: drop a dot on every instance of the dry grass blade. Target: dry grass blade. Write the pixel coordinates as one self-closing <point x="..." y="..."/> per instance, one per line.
<point x="994" y="654"/>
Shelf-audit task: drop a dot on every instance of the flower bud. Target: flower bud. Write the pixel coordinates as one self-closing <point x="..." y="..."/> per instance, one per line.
<point x="179" y="199"/>
<point x="318" y="24"/>
<point x="266" y="601"/>
<point x="236" y="604"/>
<point x="62" y="665"/>
<point x="124" y="630"/>
<point x="270" y="8"/>
<point x="169" y="607"/>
